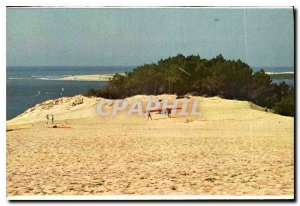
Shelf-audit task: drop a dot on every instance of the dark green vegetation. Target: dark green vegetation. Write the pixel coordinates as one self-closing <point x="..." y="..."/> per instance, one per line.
<point x="215" y="77"/>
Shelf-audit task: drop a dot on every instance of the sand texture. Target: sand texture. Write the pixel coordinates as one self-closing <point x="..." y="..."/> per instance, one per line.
<point x="229" y="150"/>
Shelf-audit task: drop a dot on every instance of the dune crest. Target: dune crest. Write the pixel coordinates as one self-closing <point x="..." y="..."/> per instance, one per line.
<point x="62" y="108"/>
<point x="230" y="150"/>
<point x="80" y="106"/>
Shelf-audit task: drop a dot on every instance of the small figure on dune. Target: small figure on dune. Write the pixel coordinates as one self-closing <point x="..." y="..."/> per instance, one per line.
<point x="266" y="109"/>
<point x="149" y="115"/>
<point x="168" y="111"/>
<point x="47" y="117"/>
<point x="52" y="119"/>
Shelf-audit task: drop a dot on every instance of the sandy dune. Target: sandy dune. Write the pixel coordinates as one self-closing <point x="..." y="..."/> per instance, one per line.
<point x="230" y="150"/>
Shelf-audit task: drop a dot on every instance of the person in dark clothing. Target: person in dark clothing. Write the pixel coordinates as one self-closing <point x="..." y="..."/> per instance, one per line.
<point x="169" y="113"/>
<point x="149" y="115"/>
<point x="47" y="117"/>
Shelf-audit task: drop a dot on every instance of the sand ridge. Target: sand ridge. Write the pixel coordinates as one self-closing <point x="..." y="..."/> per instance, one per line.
<point x="214" y="154"/>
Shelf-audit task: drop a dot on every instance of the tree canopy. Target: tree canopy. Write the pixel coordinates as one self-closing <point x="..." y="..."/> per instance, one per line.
<point x="231" y="79"/>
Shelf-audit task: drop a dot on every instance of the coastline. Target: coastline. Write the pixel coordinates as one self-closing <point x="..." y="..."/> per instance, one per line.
<point x="271" y="73"/>
<point x="92" y="77"/>
<point x="107" y="77"/>
<point x="95" y="78"/>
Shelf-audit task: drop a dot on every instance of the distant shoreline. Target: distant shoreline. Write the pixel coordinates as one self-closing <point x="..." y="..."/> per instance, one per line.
<point x="271" y="73"/>
<point x="85" y="77"/>
<point x="91" y="77"/>
<point x="107" y="77"/>
<point x="281" y="75"/>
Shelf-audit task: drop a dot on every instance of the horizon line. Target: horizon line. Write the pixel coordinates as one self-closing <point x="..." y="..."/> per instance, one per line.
<point x="119" y="66"/>
<point x="72" y="65"/>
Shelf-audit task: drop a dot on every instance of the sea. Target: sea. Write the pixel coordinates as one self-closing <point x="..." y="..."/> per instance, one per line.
<point x="27" y="86"/>
<point x="277" y="69"/>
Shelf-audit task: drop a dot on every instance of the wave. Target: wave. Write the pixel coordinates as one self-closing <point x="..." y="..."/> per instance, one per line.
<point x="18" y="78"/>
<point x="50" y="93"/>
<point x="290" y="72"/>
<point x="45" y="78"/>
<point x="35" y="77"/>
<point x="86" y="77"/>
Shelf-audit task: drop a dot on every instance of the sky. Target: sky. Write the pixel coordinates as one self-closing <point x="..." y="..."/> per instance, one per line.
<point x="124" y="36"/>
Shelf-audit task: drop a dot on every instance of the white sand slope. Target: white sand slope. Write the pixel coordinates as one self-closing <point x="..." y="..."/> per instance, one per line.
<point x="63" y="108"/>
<point x="229" y="150"/>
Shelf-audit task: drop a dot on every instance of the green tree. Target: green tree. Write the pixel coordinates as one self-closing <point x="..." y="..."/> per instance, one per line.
<point x="287" y="104"/>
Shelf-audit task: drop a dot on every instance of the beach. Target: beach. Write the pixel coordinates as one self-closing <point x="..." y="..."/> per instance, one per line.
<point x="93" y="77"/>
<point x="231" y="149"/>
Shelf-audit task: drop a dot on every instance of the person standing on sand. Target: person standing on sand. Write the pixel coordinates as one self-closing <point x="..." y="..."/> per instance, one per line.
<point x="266" y="109"/>
<point x="47" y="117"/>
<point x="169" y="113"/>
<point x="52" y="119"/>
<point x="149" y="115"/>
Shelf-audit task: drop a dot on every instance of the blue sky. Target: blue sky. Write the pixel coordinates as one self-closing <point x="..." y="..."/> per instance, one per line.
<point x="114" y="37"/>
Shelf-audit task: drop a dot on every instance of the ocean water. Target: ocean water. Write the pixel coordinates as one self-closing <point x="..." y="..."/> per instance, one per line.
<point x="27" y="86"/>
<point x="273" y="69"/>
<point x="289" y="82"/>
